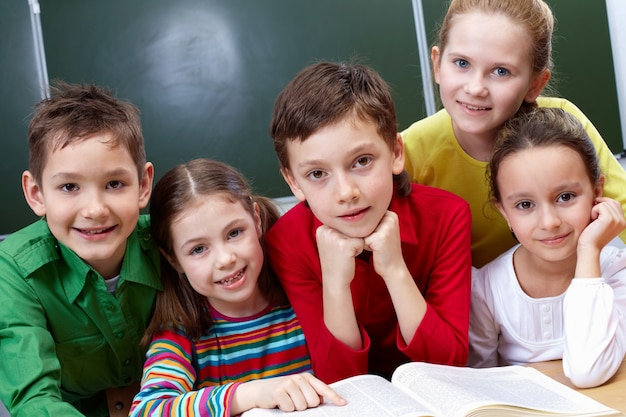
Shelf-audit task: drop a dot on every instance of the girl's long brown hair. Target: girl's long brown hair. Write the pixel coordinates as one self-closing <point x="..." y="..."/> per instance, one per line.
<point x="179" y="306"/>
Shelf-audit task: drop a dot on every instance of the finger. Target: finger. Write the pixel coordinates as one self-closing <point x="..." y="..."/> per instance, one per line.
<point x="308" y="394"/>
<point x="327" y="392"/>
<point x="295" y="393"/>
<point x="284" y="401"/>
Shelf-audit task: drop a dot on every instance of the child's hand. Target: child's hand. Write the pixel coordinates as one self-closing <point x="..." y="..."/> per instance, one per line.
<point x="607" y="221"/>
<point x="384" y="243"/>
<point x="293" y="392"/>
<point x="337" y="252"/>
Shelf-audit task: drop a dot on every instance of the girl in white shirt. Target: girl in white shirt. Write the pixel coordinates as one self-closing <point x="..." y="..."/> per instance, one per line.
<point x="561" y="292"/>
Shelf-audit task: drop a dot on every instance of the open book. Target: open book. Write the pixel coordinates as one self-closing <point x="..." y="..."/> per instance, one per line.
<point x="420" y="389"/>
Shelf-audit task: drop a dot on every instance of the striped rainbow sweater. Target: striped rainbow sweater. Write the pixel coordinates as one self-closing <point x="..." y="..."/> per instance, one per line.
<point x="186" y="378"/>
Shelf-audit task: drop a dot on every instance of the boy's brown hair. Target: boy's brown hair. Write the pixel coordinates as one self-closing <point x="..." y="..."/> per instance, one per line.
<point x="326" y="93"/>
<point x="75" y="112"/>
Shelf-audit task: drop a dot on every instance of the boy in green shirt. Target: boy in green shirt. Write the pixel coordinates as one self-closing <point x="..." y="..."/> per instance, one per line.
<point x="77" y="287"/>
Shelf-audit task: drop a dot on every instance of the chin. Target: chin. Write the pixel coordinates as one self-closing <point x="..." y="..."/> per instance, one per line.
<point x="358" y="233"/>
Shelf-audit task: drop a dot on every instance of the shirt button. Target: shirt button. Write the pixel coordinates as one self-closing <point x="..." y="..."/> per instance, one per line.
<point x="120" y="335"/>
<point x="127" y="380"/>
<point x="127" y="362"/>
<point x="119" y="405"/>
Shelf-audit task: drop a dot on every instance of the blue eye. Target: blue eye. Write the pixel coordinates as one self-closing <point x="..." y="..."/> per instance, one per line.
<point x="198" y="250"/>
<point x="461" y="63"/>
<point x="501" y="72"/>
<point x="234" y="233"/>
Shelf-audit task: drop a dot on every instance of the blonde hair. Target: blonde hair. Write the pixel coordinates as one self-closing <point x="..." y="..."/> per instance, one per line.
<point x="535" y="16"/>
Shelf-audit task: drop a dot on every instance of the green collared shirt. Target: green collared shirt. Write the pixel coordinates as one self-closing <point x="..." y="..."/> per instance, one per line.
<point x="63" y="337"/>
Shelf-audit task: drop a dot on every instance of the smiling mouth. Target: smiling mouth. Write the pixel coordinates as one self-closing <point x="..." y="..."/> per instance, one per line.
<point x="474" y="108"/>
<point x="555" y="238"/>
<point x="233" y="279"/>
<point x="96" y="231"/>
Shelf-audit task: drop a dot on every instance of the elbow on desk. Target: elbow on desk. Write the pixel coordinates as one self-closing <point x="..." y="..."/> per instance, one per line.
<point x="586" y="374"/>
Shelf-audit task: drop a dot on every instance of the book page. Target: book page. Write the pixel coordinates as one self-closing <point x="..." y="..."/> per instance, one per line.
<point x="455" y="391"/>
<point x="367" y="396"/>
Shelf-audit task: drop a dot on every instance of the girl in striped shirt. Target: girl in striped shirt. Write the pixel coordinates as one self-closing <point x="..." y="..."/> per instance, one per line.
<point x="223" y="338"/>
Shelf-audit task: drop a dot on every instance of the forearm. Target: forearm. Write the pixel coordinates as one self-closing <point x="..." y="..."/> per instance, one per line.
<point x="408" y="303"/>
<point x="339" y="316"/>
<point x="594" y="341"/>
<point x="29" y="369"/>
<point x="169" y="401"/>
<point x="588" y="262"/>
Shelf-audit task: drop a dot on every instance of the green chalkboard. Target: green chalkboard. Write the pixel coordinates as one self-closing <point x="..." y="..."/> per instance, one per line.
<point x="583" y="64"/>
<point x="19" y="91"/>
<point x="205" y="73"/>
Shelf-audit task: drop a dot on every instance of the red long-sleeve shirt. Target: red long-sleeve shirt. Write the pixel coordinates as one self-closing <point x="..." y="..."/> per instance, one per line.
<point x="435" y="229"/>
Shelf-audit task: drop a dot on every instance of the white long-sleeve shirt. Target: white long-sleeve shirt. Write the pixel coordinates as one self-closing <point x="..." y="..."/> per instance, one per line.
<point x="585" y="326"/>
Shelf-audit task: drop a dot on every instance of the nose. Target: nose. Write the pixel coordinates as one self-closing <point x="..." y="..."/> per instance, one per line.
<point x="475" y="86"/>
<point x="95" y="206"/>
<point x="346" y="189"/>
<point x="549" y="218"/>
<point x="225" y="256"/>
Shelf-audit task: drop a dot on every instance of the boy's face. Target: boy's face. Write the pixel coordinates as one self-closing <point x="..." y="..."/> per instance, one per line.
<point x="345" y="173"/>
<point x="91" y="196"/>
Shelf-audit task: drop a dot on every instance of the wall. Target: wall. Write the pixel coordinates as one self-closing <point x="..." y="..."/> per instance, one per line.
<point x="205" y="73"/>
<point x="19" y="90"/>
<point x="616" y="10"/>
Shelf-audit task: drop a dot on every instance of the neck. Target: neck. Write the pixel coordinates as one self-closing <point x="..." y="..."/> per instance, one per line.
<point x="478" y="146"/>
<point x="540" y="278"/>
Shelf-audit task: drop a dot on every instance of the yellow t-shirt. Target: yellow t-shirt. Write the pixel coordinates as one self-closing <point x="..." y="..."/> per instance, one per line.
<point x="434" y="157"/>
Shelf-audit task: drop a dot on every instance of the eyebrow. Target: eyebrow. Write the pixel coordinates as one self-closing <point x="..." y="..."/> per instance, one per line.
<point x="230" y="225"/>
<point x="313" y="162"/>
<point x="72" y="175"/>
<point x="570" y="185"/>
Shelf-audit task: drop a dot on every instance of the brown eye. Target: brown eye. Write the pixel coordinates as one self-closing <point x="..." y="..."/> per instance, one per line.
<point x="69" y="187"/>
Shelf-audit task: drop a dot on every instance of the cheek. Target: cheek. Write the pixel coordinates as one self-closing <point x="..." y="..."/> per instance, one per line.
<point x="519" y="224"/>
<point x="198" y="284"/>
<point x="511" y="97"/>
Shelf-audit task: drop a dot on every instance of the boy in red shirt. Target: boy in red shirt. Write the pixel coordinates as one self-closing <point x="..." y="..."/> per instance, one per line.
<point x="377" y="269"/>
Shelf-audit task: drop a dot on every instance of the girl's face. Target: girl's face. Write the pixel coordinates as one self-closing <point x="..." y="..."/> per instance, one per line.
<point x="216" y="245"/>
<point x="546" y="198"/>
<point x="485" y="73"/>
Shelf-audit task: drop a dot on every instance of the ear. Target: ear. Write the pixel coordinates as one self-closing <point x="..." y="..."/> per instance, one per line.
<point x="398" y="155"/>
<point x="172" y="260"/>
<point x="599" y="188"/>
<point x="293" y="184"/>
<point x="435" y="57"/>
<point x="501" y="210"/>
<point x="33" y="194"/>
<point x="145" y="185"/>
<point x="257" y="220"/>
<point x="537" y="85"/>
